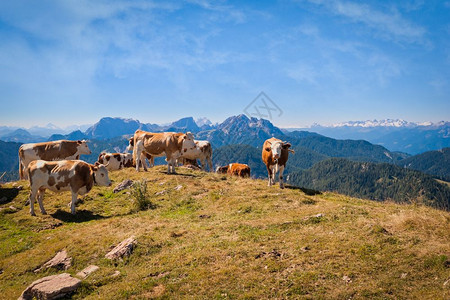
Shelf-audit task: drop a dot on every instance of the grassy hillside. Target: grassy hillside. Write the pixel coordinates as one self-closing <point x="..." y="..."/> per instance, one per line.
<point x="218" y="237"/>
<point x="375" y="181"/>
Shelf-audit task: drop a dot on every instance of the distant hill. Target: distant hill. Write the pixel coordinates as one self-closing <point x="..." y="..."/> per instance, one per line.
<point x="395" y="135"/>
<point x="240" y="130"/>
<point x="9" y="160"/>
<point x="184" y="125"/>
<point x="358" y="150"/>
<point x="374" y="181"/>
<point x="435" y="163"/>
<point x="21" y="136"/>
<point x="108" y="128"/>
<point x="73" y="136"/>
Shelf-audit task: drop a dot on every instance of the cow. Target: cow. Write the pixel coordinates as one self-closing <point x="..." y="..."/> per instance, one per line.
<point x="241" y="170"/>
<point x="115" y="161"/>
<point x="76" y="176"/>
<point x="156" y="144"/>
<point x="275" y="154"/>
<point x="49" y="151"/>
<point x="201" y="150"/>
<point x="144" y="156"/>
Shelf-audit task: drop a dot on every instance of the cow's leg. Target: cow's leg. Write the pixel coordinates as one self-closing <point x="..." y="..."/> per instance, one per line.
<point x="32" y="198"/>
<point x="269" y="171"/>
<point x="209" y="164"/>
<point x="40" y="197"/>
<point x="281" y="177"/>
<point x="74" y="201"/>
<point x="274" y="173"/>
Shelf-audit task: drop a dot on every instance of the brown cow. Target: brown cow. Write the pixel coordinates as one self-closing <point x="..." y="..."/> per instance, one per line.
<point x="155" y="144"/>
<point x="76" y="176"/>
<point x="56" y="150"/>
<point x="275" y="154"/>
<point x="241" y="170"/>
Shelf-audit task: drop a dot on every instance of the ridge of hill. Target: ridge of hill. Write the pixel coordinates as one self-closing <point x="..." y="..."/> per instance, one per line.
<point x="376" y="181"/>
<point x="214" y="236"/>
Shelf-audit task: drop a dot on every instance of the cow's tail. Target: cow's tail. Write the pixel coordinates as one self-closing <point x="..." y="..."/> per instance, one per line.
<point x="21" y="166"/>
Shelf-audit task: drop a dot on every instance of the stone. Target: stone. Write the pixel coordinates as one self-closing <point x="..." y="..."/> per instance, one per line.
<point x="87" y="271"/>
<point x="125" y="248"/>
<point x="346" y="279"/>
<point x="178" y="187"/>
<point x="61" y="261"/>
<point x="115" y="274"/>
<point x="123" y="185"/>
<point x="160" y="193"/>
<point x="51" y="287"/>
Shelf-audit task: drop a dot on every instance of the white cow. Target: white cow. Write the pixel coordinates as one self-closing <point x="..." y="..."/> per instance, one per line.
<point x="202" y="150"/>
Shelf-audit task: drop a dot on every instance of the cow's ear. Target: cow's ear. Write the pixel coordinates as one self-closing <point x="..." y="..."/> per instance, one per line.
<point x="286" y="146"/>
<point x="267" y="149"/>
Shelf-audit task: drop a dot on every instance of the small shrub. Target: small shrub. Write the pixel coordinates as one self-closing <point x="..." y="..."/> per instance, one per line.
<point x="139" y="193"/>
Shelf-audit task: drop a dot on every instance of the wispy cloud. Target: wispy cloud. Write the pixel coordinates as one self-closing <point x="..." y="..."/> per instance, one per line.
<point x="387" y="23"/>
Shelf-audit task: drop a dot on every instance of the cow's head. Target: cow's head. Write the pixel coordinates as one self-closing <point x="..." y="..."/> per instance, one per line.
<point x="130" y="144"/>
<point x="276" y="148"/>
<point x="100" y="174"/>
<point x="83" y="147"/>
<point x="222" y="170"/>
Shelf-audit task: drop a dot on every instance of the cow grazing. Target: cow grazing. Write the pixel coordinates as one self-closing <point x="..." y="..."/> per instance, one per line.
<point x="201" y="150"/>
<point x="49" y="151"/>
<point x="66" y="175"/>
<point x="275" y="154"/>
<point x="115" y="161"/>
<point x="157" y="144"/>
<point x="241" y="170"/>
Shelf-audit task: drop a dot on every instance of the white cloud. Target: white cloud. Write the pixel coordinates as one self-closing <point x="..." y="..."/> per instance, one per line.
<point x="388" y="24"/>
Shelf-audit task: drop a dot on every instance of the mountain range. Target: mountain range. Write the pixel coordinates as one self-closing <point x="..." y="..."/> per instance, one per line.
<point x="320" y="162"/>
<point x="395" y="135"/>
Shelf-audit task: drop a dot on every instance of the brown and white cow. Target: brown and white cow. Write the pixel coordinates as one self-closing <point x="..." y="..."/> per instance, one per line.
<point x="275" y="154"/>
<point x="49" y="151"/>
<point x="155" y="144"/>
<point x="76" y="176"/>
<point x="241" y="170"/>
<point x="145" y="156"/>
<point x="201" y="150"/>
<point x="115" y="161"/>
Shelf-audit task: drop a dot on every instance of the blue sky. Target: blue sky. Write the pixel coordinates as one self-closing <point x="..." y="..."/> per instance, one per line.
<point x="73" y="62"/>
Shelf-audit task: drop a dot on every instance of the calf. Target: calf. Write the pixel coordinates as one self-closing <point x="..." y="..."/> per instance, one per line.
<point x="56" y="150"/>
<point x="115" y="161"/>
<point x="241" y="170"/>
<point x="66" y="175"/>
<point x="201" y="150"/>
<point x="275" y="154"/>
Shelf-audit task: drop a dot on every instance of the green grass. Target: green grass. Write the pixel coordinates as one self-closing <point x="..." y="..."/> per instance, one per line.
<point x="221" y="237"/>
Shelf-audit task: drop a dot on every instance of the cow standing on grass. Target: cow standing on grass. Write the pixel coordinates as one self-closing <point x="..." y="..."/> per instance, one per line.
<point x="169" y="143"/>
<point x="66" y="175"/>
<point x="49" y="151"/>
<point x="144" y="155"/>
<point x="275" y="154"/>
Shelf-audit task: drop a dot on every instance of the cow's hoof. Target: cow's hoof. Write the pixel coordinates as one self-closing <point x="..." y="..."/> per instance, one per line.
<point x="281" y="186"/>
<point x="44" y="212"/>
<point x="33" y="214"/>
